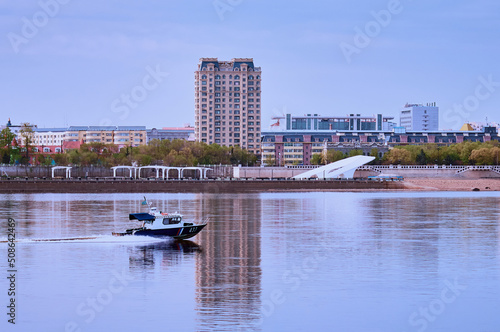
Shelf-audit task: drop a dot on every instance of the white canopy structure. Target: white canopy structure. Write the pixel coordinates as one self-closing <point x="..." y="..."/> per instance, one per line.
<point x="167" y="169"/>
<point x="157" y="168"/>
<point x="130" y="168"/>
<point x="67" y="168"/>
<point x="344" y="168"/>
<point x="180" y="171"/>
<point x="203" y="171"/>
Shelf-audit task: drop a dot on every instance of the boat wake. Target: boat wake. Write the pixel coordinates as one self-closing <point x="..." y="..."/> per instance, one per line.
<point x="94" y="239"/>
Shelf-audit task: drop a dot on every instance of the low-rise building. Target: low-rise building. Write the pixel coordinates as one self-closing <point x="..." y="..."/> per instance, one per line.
<point x="48" y="140"/>
<point x="55" y="140"/>
<point x="171" y="133"/>
<point x="121" y="136"/>
<point x="298" y="147"/>
<point x="317" y="122"/>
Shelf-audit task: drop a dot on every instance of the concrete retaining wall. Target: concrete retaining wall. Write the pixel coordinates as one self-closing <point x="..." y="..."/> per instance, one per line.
<point x="188" y="186"/>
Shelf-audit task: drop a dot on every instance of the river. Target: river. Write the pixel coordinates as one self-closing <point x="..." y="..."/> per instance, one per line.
<point x="324" y="261"/>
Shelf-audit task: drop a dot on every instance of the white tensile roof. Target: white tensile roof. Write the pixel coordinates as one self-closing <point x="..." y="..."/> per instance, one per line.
<point x="344" y="168"/>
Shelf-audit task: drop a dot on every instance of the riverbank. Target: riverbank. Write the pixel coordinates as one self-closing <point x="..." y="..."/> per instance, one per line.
<point x="240" y="186"/>
<point x="452" y="184"/>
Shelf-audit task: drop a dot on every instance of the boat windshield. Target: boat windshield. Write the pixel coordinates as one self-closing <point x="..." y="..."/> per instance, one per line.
<point x="171" y="220"/>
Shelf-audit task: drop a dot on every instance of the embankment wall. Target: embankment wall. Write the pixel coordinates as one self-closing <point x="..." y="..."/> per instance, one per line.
<point x="188" y="186"/>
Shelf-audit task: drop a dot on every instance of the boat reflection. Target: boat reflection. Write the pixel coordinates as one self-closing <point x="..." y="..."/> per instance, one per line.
<point x="164" y="254"/>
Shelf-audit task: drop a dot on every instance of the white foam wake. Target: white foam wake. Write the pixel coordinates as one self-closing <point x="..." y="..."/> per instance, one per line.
<point x="92" y="239"/>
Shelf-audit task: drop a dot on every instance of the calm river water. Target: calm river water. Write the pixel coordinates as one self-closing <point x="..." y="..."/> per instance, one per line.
<point x="266" y="262"/>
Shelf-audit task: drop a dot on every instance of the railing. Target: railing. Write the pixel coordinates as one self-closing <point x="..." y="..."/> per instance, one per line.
<point x="385" y="167"/>
<point x="495" y="169"/>
<point x="302" y="166"/>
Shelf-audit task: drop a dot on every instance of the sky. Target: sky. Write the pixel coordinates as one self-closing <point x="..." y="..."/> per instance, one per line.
<point x="110" y="62"/>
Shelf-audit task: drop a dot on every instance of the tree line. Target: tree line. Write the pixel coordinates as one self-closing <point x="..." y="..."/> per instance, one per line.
<point x="185" y="153"/>
<point x="465" y="153"/>
<point x="157" y="152"/>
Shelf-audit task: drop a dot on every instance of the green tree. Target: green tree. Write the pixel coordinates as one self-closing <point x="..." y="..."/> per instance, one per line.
<point x="169" y="159"/>
<point x="466" y="149"/>
<point x="6" y="138"/>
<point x="317" y="159"/>
<point x="399" y="156"/>
<point x="26" y="133"/>
<point x="374" y="153"/>
<point x="44" y="160"/>
<point x="355" y="152"/>
<point x="241" y="156"/>
<point x="334" y="155"/>
<point x="421" y="158"/>
<point x="61" y="158"/>
<point x="146" y="160"/>
<point x="484" y="156"/>
<point x="270" y="161"/>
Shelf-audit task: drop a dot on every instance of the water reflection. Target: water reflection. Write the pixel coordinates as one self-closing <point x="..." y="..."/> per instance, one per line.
<point x="431" y="233"/>
<point x="162" y="254"/>
<point x="228" y="271"/>
<point x="379" y="258"/>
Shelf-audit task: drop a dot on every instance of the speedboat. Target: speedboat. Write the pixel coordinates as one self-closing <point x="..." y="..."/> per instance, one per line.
<point x="162" y="224"/>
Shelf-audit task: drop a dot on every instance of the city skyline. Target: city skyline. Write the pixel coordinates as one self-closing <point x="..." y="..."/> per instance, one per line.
<point x="68" y="63"/>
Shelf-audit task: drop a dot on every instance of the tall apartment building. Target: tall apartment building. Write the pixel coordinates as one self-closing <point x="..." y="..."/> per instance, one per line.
<point x="228" y="103"/>
<point x="419" y="117"/>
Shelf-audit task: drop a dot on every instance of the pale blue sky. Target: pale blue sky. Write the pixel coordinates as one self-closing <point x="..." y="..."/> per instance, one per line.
<point x="75" y="67"/>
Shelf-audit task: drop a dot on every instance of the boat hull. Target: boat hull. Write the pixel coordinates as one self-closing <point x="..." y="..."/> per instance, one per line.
<point x="184" y="232"/>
